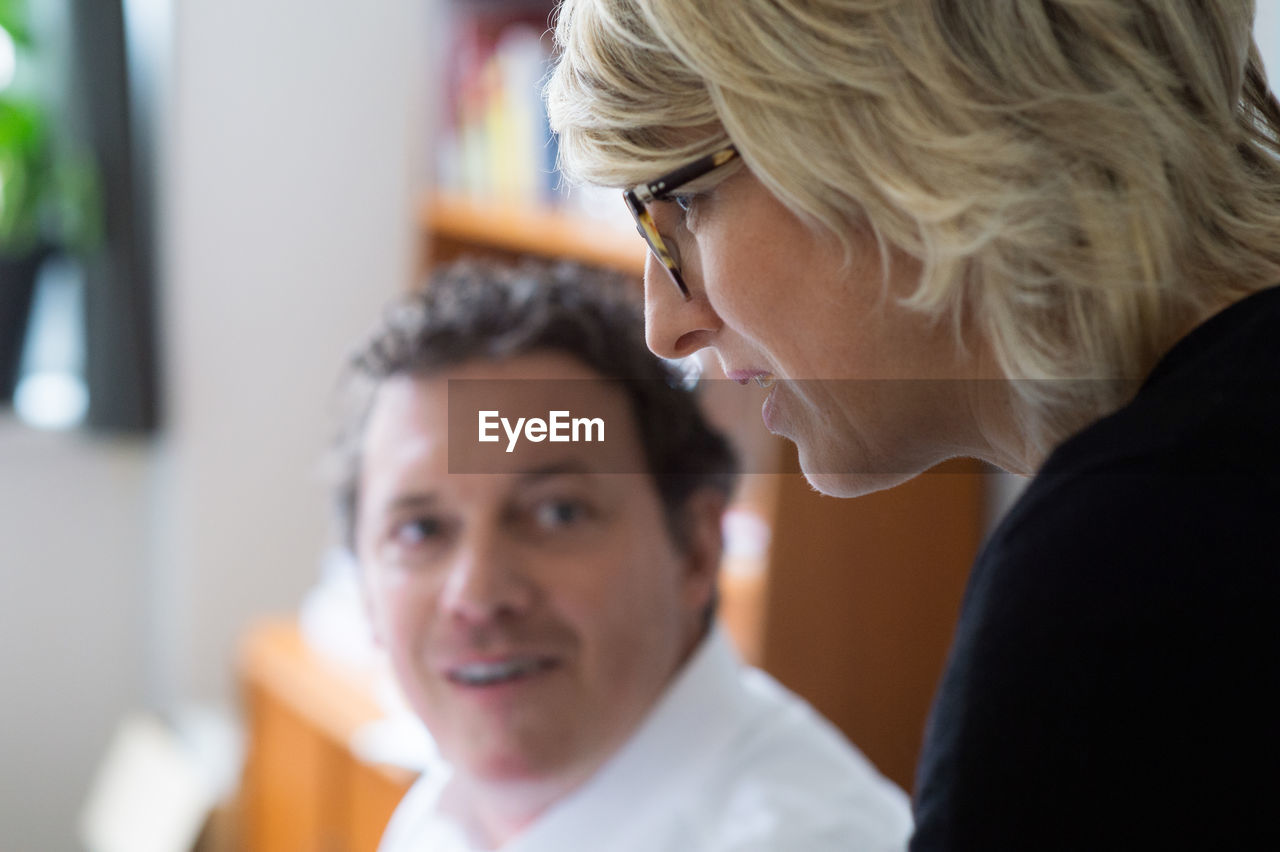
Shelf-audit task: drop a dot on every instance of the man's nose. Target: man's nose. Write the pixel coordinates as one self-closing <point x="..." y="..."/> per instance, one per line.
<point x="485" y="582"/>
<point x="673" y="325"/>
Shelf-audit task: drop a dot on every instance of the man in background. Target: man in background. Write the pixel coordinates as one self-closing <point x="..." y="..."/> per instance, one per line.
<point x="547" y="594"/>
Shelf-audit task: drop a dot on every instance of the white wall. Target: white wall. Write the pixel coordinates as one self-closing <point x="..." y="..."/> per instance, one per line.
<point x="291" y="137"/>
<point x="71" y="620"/>
<point x="296" y="132"/>
<point x="1266" y="30"/>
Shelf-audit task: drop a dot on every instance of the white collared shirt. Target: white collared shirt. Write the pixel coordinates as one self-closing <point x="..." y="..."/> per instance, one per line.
<point x="727" y="761"/>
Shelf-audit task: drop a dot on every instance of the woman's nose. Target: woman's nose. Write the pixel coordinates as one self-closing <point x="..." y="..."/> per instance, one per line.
<point x="675" y="326"/>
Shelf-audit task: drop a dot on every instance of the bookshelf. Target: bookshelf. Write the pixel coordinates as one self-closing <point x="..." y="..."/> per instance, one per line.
<point x="851" y="603"/>
<point x="456" y="224"/>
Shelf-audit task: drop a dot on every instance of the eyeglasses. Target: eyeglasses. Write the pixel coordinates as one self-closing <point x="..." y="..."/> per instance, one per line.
<point x="640" y="197"/>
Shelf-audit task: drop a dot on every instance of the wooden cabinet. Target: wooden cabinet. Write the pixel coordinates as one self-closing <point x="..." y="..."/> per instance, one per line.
<point x="303" y="790"/>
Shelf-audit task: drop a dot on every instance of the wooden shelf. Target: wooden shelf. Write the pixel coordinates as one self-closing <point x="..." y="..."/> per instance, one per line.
<point x="337" y="699"/>
<point x="458" y="224"/>
<point x="303" y="787"/>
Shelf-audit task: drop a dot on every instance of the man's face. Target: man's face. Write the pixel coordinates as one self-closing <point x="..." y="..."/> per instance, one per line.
<point x="532" y="616"/>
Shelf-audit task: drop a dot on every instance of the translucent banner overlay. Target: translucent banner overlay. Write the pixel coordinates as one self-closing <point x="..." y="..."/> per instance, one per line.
<point x="503" y="426"/>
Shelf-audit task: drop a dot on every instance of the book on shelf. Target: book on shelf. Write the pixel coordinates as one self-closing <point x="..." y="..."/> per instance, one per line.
<point x="494" y="142"/>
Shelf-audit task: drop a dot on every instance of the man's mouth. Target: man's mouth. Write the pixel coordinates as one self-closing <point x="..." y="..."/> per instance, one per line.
<point x="496" y="672"/>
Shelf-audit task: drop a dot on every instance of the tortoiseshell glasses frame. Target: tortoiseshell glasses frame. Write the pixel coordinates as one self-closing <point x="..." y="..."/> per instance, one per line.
<point x="639" y="198"/>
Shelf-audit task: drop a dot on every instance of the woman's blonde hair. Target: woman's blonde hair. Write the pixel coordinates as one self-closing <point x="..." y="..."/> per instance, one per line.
<point x="1080" y="179"/>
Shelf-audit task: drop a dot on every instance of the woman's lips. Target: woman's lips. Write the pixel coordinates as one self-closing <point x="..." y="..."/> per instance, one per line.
<point x="767" y="381"/>
<point x="763" y="378"/>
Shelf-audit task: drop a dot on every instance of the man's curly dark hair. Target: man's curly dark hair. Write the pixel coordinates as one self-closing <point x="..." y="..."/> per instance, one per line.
<point x="475" y="310"/>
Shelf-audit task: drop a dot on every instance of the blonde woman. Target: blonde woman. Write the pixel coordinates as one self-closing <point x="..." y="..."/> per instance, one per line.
<point x="1044" y="233"/>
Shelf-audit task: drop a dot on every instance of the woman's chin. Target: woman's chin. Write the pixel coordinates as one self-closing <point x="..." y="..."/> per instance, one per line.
<point x="854" y="484"/>
<point x="847" y="477"/>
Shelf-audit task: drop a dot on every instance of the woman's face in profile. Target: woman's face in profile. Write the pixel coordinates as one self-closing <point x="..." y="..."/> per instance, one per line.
<point x="870" y="391"/>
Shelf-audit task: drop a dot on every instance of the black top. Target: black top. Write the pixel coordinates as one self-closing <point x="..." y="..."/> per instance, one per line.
<point x="1114" y="682"/>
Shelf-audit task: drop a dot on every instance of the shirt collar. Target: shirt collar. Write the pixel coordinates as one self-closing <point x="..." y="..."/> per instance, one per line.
<point x="696" y="717"/>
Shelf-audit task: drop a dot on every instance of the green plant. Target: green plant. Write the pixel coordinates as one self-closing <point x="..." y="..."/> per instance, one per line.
<point x="48" y="189"/>
<point x="24" y="173"/>
<point x="49" y="198"/>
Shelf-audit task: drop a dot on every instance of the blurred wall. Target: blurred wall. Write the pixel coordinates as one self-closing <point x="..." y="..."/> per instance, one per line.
<point x="296" y="150"/>
<point x="1266" y="29"/>
<point x="289" y="145"/>
<point x="72" y="567"/>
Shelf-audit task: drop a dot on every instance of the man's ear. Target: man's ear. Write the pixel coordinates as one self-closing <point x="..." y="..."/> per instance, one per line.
<point x="704" y="513"/>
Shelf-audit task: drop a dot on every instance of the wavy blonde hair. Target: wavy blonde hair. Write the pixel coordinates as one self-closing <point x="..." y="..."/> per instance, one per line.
<point x="1080" y="179"/>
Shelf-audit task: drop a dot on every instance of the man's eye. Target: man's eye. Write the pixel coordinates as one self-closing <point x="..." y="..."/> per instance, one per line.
<point x="684" y="201"/>
<point x="554" y="514"/>
<point x="418" y="531"/>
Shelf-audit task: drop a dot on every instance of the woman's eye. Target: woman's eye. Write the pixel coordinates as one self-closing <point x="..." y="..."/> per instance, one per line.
<point x="684" y="201"/>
